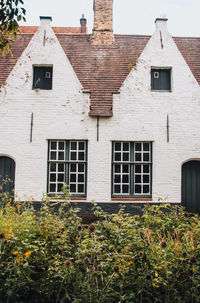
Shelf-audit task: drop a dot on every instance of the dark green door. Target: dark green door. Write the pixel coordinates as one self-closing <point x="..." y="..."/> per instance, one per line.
<point x="191" y="186"/>
<point x="7" y="174"/>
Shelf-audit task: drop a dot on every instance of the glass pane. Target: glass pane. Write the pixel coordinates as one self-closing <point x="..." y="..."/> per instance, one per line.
<point x="73" y="167"/>
<point x="61" y="177"/>
<point x="52" y="167"/>
<point x="117" y="179"/>
<point x="146" y="157"/>
<point x="61" y="145"/>
<point x="61" y="156"/>
<point x="72" y="177"/>
<point x="146" y="168"/>
<point x="146" y="179"/>
<point x="138" y="168"/>
<point x="138" y="189"/>
<point x="53" y="177"/>
<point x="81" y="168"/>
<point x="73" y="155"/>
<point x="60" y="186"/>
<point x="117" y="146"/>
<point x="125" y="189"/>
<point x="138" y="179"/>
<point x="117" y="156"/>
<point x="52" y="188"/>
<point x="138" y="146"/>
<point x="117" y="189"/>
<point x="53" y="144"/>
<point x="125" y="168"/>
<point x="81" y="178"/>
<point x="125" y="179"/>
<point x="81" y="155"/>
<point x="61" y="167"/>
<point x="146" y="146"/>
<point x="146" y="189"/>
<point x="53" y="156"/>
<point x="138" y="157"/>
<point x="125" y="156"/>
<point x="81" y="145"/>
<point x="72" y="188"/>
<point x="81" y="188"/>
<point x="125" y="146"/>
<point x="73" y="145"/>
<point x="117" y="169"/>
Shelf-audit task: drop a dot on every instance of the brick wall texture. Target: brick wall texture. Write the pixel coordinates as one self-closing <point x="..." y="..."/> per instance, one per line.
<point x="137" y="113"/>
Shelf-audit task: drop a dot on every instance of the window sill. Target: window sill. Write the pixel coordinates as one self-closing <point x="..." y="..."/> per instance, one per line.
<point x="131" y="199"/>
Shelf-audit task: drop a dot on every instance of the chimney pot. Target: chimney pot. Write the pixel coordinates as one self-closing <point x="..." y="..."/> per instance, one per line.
<point x="83" y="22"/>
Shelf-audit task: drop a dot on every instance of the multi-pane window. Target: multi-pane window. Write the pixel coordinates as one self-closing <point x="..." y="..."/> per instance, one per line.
<point x="67" y="163"/>
<point x="42" y="77"/>
<point x="161" y="79"/>
<point x="131" y="168"/>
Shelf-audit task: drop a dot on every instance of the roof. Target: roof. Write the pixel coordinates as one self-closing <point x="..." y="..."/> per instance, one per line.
<point x="101" y="70"/>
<point x="57" y="30"/>
<point x="190" y="49"/>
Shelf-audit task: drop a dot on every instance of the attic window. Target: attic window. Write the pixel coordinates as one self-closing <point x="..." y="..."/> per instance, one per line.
<point x="161" y="79"/>
<point x="42" y="77"/>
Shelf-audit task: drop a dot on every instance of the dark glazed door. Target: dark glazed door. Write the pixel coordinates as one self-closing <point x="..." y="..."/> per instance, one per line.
<point x="7" y="174"/>
<point x="191" y="186"/>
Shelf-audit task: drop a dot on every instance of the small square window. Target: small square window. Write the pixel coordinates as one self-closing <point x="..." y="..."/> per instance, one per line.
<point x="161" y="79"/>
<point x="42" y="77"/>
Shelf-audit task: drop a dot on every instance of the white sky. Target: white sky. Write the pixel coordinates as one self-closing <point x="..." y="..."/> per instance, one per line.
<point x="130" y="16"/>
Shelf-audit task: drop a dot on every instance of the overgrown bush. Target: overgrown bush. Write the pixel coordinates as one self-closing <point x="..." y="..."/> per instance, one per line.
<point x="49" y="256"/>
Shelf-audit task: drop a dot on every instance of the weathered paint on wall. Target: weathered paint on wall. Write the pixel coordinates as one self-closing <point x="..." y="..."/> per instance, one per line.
<point x="62" y="113"/>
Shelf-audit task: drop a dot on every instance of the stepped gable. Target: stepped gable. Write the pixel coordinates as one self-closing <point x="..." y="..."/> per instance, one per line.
<point x="190" y="49"/>
<point x="100" y="69"/>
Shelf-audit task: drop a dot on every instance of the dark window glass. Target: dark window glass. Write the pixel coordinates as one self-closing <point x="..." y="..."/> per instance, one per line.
<point x="117" y="146"/>
<point x="53" y="145"/>
<point x="138" y="157"/>
<point x="117" y="156"/>
<point x="63" y="166"/>
<point x="73" y="145"/>
<point x="125" y="189"/>
<point x="80" y="188"/>
<point x="42" y="77"/>
<point x="73" y="167"/>
<point x="117" y="189"/>
<point x="52" y="177"/>
<point x="161" y="79"/>
<point x="80" y="178"/>
<point x="117" y="179"/>
<point x="72" y="178"/>
<point x="132" y="177"/>
<point x="81" y="168"/>
<point x="72" y="188"/>
<point x="146" y="157"/>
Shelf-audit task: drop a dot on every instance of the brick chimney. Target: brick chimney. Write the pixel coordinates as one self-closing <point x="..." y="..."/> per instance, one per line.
<point x="102" y="34"/>
<point x="83" y="22"/>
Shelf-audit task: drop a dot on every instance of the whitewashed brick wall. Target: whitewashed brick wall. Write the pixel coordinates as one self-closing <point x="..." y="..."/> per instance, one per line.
<point x="62" y="113"/>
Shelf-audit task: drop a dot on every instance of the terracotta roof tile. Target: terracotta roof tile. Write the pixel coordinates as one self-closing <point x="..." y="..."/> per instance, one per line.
<point x="57" y="30"/>
<point x="102" y="70"/>
<point x="67" y="30"/>
<point x="28" y="29"/>
<point x="7" y="63"/>
<point x="190" y="49"/>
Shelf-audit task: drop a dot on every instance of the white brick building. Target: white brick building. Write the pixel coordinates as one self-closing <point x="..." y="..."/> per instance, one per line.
<point x="114" y="116"/>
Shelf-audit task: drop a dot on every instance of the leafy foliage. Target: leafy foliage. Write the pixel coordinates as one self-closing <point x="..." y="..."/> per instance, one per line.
<point x="11" y="13"/>
<point x="50" y="256"/>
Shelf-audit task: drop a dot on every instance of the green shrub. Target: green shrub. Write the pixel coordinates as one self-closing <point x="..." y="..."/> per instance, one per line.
<point x="49" y="256"/>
